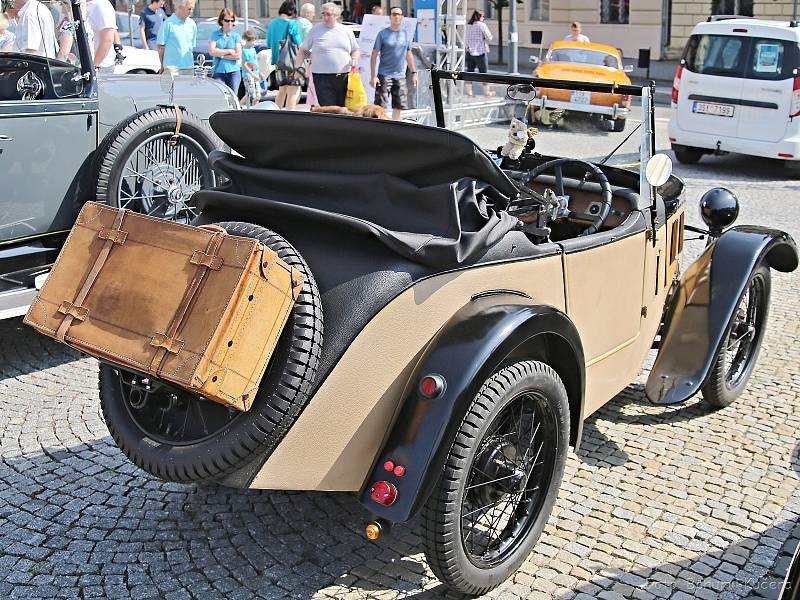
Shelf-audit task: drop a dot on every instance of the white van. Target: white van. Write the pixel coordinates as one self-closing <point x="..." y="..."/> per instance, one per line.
<point x="737" y="89"/>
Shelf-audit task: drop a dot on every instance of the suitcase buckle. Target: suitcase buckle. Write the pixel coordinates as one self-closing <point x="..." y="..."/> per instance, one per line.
<point x="172" y="345"/>
<point x="206" y="260"/>
<point x="76" y="312"/>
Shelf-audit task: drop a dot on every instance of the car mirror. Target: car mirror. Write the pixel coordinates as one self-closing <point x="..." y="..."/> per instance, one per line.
<point x="671" y="190"/>
<point x="658" y="170"/>
<point x="628" y="68"/>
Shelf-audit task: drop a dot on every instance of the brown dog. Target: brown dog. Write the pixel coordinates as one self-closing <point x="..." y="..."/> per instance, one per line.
<point x="370" y="111"/>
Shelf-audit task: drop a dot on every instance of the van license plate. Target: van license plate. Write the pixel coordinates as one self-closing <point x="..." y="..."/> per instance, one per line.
<point x="707" y="108"/>
<point x="581" y="97"/>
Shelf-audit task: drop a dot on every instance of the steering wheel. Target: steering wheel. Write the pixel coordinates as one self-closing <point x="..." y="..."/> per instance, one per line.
<point x="557" y="165"/>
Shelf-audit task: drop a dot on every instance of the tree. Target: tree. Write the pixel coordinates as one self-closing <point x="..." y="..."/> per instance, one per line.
<point x="498" y="6"/>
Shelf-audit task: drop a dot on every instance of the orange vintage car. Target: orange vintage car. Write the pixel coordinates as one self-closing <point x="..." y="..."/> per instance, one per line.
<point x="580" y="61"/>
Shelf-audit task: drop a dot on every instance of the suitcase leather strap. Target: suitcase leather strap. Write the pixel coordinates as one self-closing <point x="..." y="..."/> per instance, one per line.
<point x="167" y="342"/>
<point x="75" y="309"/>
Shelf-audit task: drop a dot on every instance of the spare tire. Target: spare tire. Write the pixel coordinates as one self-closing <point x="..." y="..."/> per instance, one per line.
<point x="143" y="165"/>
<point x="179" y="436"/>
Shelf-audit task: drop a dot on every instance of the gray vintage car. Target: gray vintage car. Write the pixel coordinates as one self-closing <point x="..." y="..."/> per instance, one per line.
<point x="69" y="134"/>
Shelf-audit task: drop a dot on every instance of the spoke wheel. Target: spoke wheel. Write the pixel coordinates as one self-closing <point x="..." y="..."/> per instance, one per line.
<point x="739" y="351"/>
<point x="145" y="167"/>
<point x="500" y="480"/>
<point x="507" y="479"/>
<point x="161" y="174"/>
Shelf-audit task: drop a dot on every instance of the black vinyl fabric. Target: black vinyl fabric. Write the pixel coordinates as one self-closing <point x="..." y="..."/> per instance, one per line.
<point x="428" y="194"/>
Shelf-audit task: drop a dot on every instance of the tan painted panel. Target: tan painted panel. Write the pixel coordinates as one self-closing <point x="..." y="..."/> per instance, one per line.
<point x="334" y="442"/>
<point x="604" y="294"/>
<point x="607" y="377"/>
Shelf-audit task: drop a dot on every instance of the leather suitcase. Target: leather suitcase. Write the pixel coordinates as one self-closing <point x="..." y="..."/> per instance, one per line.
<point x="191" y="305"/>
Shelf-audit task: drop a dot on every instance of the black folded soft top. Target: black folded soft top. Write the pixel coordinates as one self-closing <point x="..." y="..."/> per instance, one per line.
<point x="429" y="194"/>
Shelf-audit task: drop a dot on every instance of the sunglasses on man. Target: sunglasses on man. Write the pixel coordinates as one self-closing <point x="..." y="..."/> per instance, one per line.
<point x="229" y="20"/>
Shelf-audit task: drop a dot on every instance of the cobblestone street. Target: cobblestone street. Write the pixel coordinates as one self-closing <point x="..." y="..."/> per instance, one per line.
<point x="675" y="502"/>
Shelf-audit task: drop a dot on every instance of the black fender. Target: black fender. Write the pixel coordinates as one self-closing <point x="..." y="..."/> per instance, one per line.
<point x="479" y="338"/>
<point x="697" y="317"/>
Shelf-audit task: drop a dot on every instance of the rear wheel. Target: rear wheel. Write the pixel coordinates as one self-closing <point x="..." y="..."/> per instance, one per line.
<point x="739" y="351"/>
<point x="687" y="155"/>
<point x="500" y="480"/>
<point x="179" y="436"/>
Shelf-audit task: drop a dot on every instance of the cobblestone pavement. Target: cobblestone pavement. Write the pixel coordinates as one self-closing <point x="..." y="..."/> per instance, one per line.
<point x="660" y="502"/>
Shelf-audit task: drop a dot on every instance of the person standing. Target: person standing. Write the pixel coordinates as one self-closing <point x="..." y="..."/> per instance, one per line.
<point x="393" y="46"/>
<point x="476" y="39"/>
<point x="150" y="20"/>
<point x="178" y="37"/>
<point x="226" y="48"/>
<point x="103" y="21"/>
<point x="285" y="30"/>
<point x="35" y="29"/>
<point x="304" y="20"/>
<point x="250" y="72"/>
<point x="575" y="34"/>
<point x="334" y="53"/>
<point x="7" y="39"/>
<point x="377" y="10"/>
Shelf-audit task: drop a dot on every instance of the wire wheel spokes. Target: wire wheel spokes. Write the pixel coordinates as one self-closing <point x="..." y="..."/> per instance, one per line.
<point x="170" y="415"/>
<point x="161" y="174"/>
<point x="508" y="479"/>
<point x="743" y="337"/>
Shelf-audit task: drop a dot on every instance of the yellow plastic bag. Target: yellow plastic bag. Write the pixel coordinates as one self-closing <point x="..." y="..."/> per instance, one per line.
<point x="356" y="94"/>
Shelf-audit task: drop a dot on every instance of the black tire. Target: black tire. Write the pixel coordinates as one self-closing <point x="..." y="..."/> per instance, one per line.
<point x="236" y="436"/>
<point x="742" y="342"/>
<point x="688" y="155"/>
<point x="161" y="187"/>
<point x="618" y="125"/>
<point x="531" y="385"/>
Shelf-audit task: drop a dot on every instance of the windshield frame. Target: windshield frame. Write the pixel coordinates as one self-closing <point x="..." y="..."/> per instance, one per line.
<point x="648" y="197"/>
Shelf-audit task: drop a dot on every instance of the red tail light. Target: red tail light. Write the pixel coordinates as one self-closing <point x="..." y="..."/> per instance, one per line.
<point x="383" y="492"/>
<point x="676" y="84"/>
<point x="794" y="110"/>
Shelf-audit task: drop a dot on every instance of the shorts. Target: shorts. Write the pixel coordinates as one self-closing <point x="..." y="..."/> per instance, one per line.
<point x="252" y="89"/>
<point x="398" y="89"/>
<point x="480" y="62"/>
<point x="331" y="88"/>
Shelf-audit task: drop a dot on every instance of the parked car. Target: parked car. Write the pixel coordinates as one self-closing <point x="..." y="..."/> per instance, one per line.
<point x="208" y="26"/>
<point x="136" y="59"/>
<point x="462" y="314"/>
<point x="737" y="89"/>
<point x="579" y="61"/>
<point x="127" y="23"/>
<point x="67" y="135"/>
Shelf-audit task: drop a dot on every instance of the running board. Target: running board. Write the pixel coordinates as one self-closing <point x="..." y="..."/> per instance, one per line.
<point x="15" y="303"/>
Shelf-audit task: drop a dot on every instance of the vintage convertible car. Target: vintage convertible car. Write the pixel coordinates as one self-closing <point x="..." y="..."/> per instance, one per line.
<point x="581" y="61"/>
<point x="67" y="135"/>
<point x="462" y="314"/>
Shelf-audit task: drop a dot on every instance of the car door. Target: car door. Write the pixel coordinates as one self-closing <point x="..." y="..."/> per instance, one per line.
<point x="711" y="85"/>
<point x="767" y="89"/>
<point x="604" y="284"/>
<point x="48" y="129"/>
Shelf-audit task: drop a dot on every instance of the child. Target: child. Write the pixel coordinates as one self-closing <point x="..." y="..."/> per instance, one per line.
<point x="250" y="72"/>
<point x="6" y="37"/>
